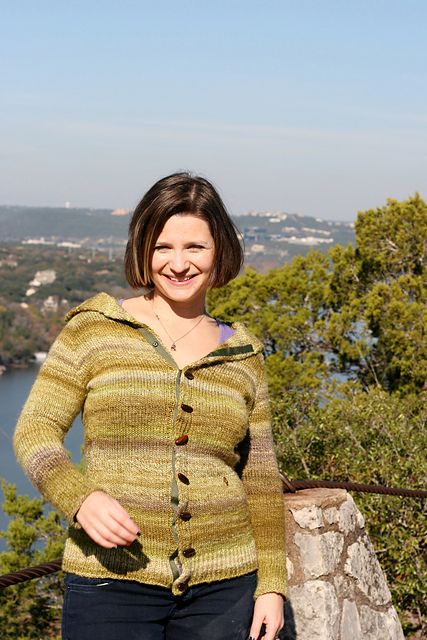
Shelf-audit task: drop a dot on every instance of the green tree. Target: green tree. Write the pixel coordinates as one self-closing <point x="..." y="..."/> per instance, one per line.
<point x="30" y="610"/>
<point x="286" y="310"/>
<point x="346" y="359"/>
<point x="378" y="293"/>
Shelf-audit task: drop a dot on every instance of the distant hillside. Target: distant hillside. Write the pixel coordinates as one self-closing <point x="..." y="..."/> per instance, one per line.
<point x="271" y="238"/>
<point x="274" y="238"/>
<point x="21" y="223"/>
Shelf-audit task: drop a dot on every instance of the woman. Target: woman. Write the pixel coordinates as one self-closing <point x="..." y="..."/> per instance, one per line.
<point x="176" y="520"/>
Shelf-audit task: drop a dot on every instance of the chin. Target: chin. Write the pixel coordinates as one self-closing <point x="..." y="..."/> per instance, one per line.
<point x="181" y="295"/>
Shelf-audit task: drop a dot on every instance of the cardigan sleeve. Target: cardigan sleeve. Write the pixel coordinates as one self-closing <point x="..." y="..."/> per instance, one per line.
<point x="264" y="492"/>
<point x="55" y="399"/>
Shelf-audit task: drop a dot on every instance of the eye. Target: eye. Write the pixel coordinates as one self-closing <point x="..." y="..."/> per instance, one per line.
<point x="161" y="248"/>
<point x="196" y="247"/>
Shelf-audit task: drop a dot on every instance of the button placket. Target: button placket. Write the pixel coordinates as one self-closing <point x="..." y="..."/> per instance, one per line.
<point x="181" y="441"/>
<point x="182" y="424"/>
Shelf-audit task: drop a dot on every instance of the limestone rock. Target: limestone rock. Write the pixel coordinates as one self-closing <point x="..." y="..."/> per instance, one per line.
<point x="320" y="554"/>
<point x="344" y="587"/>
<point x="362" y="564"/>
<point x="350" y="623"/>
<point x="308" y="517"/>
<point x="331" y="515"/>
<point x="347" y="519"/>
<point x="315" y="610"/>
<point x="337" y="590"/>
<point x="380" y="626"/>
<point x="360" y="520"/>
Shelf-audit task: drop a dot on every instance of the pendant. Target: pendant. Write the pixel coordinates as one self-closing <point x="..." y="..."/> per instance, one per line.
<point x="173" y="347"/>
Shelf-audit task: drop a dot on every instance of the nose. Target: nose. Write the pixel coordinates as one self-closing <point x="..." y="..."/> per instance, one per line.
<point x="178" y="262"/>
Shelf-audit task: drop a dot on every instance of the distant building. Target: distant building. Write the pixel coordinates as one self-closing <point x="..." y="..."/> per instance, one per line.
<point x="69" y="245"/>
<point x="37" y="241"/>
<point x="257" y="248"/>
<point x="43" y="277"/>
<point x="308" y="241"/>
<point x="51" y="304"/>
<point x="9" y="261"/>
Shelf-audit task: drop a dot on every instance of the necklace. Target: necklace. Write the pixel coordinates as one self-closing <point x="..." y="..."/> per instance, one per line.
<point x="173" y="345"/>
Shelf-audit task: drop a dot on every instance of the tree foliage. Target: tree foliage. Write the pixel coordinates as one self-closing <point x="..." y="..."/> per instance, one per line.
<point x="30" y="610"/>
<point x="346" y="357"/>
<point x="379" y="290"/>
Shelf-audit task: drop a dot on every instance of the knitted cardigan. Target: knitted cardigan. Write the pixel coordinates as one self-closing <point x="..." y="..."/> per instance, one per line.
<point x="188" y="453"/>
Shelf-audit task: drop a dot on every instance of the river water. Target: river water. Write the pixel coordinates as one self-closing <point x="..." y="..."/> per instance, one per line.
<point x="15" y="385"/>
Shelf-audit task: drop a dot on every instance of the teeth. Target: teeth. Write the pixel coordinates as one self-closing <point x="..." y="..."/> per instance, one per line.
<point x="180" y="279"/>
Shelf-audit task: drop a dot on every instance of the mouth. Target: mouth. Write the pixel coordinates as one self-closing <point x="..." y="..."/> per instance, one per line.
<point x="179" y="280"/>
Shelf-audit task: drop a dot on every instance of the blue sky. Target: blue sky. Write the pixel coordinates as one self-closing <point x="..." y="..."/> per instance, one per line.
<point x="311" y="106"/>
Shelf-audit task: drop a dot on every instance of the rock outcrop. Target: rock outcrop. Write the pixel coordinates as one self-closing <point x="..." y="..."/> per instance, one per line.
<point x="337" y="590"/>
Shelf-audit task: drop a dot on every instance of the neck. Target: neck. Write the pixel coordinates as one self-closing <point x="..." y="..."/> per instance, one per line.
<point x="184" y="310"/>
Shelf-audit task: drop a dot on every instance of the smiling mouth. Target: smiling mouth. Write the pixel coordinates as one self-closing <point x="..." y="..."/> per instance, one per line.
<point x="179" y="280"/>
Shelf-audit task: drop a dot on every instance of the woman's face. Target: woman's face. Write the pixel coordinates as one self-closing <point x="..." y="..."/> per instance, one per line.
<point x="183" y="259"/>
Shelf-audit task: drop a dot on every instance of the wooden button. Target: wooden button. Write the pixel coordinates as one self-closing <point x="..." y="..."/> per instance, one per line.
<point x="183" y="478"/>
<point x="189" y="375"/>
<point x="185" y="515"/>
<point x="181" y="440"/>
<point x="189" y="553"/>
<point x="187" y="408"/>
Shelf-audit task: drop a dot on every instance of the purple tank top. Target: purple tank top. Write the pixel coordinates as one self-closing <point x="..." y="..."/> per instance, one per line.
<point x="225" y="331"/>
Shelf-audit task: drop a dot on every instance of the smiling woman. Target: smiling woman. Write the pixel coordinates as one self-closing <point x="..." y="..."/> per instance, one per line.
<point x="181" y="242"/>
<point x="181" y="269"/>
<point x="177" y="519"/>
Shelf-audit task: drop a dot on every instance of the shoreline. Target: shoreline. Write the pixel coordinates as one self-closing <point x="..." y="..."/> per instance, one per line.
<point x="38" y="358"/>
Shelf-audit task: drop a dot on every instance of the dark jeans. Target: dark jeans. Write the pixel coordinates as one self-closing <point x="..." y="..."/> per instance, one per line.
<point x="97" y="608"/>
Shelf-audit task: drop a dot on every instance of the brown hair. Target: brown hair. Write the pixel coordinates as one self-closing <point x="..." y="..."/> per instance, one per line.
<point x="181" y="193"/>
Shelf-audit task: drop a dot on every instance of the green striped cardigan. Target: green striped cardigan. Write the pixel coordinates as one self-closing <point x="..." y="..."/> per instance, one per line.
<point x="188" y="453"/>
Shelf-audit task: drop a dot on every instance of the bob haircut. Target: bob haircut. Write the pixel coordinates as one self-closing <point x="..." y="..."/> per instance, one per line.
<point x="183" y="194"/>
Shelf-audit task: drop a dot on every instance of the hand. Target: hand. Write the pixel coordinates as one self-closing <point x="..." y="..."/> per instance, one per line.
<point x="268" y="610"/>
<point x="105" y="521"/>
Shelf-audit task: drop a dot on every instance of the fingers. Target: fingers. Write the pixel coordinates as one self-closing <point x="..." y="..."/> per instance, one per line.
<point x="268" y="610"/>
<point x="122" y="524"/>
<point x="108" y="534"/>
<point x="104" y="537"/>
<point x="106" y="522"/>
<point x="256" y="627"/>
<point x="271" y="633"/>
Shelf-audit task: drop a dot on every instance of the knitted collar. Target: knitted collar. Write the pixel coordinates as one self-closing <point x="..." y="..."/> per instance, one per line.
<point x="242" y="342"/>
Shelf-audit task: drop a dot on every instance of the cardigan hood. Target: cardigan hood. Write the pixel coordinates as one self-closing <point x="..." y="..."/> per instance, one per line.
<point x="241" y="344"/>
